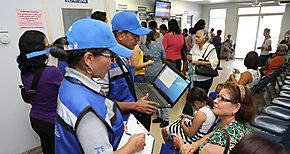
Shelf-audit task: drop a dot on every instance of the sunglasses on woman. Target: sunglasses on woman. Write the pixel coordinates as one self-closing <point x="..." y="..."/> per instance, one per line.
<point x="222" y="98"/>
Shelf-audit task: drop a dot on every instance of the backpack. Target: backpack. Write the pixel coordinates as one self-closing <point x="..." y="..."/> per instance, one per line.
<point x="26" y="95"/>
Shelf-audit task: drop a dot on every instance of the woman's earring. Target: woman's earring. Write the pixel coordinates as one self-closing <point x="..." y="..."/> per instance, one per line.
<point x="89" y="70"/>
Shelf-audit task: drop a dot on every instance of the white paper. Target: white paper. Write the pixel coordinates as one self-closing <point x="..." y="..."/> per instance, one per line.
<point x="168" y="77"/>
<point x="135" y="127"/>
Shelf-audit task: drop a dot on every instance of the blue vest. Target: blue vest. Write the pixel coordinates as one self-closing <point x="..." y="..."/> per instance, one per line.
<point x="75" y="100"/>
<point x="122" y="84"/>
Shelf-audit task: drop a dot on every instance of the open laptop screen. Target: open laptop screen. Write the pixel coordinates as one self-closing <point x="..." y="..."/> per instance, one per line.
<point x="170" y="83"/>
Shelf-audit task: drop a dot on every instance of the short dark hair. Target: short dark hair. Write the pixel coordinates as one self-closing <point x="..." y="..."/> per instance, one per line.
<point x="256" y="144"/>
<point x="144" y="24"/>
<point x="99" y="15"/>
<point x="247" y="111"/>
<point x="163" y="27"/>
<point x="191" y="31"/>
<point x="251" y="60"/>
<point x="152" y="25"/>
<point x="30" y="41"/>
<point x="219" y="31"/>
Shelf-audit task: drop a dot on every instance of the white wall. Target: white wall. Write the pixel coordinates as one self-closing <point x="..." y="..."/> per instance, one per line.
<point x="16" y="134"/>
<point x="285" y="22"/>
<point x="231" y="26"/>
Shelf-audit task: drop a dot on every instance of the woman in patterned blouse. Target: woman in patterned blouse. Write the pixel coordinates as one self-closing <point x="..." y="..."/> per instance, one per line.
<point x="234" y="106"/>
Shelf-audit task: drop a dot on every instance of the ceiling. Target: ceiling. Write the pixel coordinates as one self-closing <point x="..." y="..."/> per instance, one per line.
<point x="202" y="2"/>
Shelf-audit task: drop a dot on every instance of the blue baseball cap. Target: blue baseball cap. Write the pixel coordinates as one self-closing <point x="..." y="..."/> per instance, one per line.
<point x="129" y="21"/>
<point x="89" y="33"/>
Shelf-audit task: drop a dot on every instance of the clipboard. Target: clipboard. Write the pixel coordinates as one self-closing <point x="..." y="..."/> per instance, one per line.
<point x="135" y="127"/>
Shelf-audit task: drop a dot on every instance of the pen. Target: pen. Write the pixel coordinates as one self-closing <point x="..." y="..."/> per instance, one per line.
<point x="128" y="134"/>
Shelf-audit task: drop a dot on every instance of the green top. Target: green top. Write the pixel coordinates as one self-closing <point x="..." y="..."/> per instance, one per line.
<point x="236" y="130"/>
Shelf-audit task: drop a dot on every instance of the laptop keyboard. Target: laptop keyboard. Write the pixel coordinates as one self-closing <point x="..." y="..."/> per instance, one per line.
<point x="145" y="89"/>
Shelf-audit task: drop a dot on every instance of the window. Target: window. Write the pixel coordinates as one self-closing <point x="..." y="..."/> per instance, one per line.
<point x="251" y="37"/>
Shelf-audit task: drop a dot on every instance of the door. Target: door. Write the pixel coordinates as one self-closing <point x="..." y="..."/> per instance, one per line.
<point x="246" y="36"/>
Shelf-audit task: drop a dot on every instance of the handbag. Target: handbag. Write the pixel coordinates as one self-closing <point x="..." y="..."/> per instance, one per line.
<point x="184" y="51"/>
<point x="168" y="148"/>
<point x="205" y="70"/>
<point x="227" y="146"/>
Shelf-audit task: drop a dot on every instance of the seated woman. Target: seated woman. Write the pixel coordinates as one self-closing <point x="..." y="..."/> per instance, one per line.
<point x="227" y="46"/>
<point x="252" y="75"/>
<point x="276" y="61"/>
<point x="192" y="128"/>
<point x="235" y="107"/>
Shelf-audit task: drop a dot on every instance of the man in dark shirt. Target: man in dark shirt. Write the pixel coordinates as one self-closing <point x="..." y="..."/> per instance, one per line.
<point x="216" y="41"/>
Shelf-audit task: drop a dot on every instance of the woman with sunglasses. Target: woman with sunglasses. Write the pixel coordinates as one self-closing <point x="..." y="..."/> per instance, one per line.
<point x="88" y="121"/>
<point x="33" y="46"/>
<point x="235" y="108"/>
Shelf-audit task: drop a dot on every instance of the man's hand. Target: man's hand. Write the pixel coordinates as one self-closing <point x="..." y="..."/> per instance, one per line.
<point x="145" y="106"/>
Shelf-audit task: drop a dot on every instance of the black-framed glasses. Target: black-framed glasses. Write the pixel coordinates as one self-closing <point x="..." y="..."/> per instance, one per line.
<point x="222" y="98"/>
<point x="107" y="55"/>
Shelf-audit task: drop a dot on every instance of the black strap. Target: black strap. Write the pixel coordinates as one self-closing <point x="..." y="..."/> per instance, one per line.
<point x="38" y="73"/>
<point x="227" y="142"/>
<point x="204" y="58"/>
<point x="130" y="81"/>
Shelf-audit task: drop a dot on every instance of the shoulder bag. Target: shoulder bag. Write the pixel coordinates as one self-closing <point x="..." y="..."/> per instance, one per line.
<point x="205" y="70"/>
<point x="184" y="50"/>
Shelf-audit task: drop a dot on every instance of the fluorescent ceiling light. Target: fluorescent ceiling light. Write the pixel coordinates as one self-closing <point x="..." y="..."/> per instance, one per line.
<point x="195" y="0"/>
<point x="217" y="1"/>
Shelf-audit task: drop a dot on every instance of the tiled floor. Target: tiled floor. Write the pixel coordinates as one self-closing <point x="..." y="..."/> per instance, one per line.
<point x="227" y="66"/>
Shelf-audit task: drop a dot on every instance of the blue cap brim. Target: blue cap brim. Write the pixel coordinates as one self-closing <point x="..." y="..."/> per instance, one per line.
<point x="121" y="51"/>
<point x="140" y="31"/>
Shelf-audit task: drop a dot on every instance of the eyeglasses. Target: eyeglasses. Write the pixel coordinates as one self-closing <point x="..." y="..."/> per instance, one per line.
<point x="222" y="98"/>
<point x="111" y="56"/>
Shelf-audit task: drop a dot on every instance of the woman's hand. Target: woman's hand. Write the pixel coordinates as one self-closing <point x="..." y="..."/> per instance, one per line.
<point x="145" y="106"/>
<point x="196" y="63"/>
<point x="232" y="77"/>
<point x="189" y="57"/>
<point x="137" y="142"/>
<point x="149" y="62"/>
<point x="177" y="141"/>
<point x="189" y="148"/>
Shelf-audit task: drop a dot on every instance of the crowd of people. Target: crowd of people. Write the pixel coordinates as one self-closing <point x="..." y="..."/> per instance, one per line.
<point x="91" y="93"/>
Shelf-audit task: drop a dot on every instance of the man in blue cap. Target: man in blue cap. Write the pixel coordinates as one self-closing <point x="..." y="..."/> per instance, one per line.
<point x="120" y="83"/>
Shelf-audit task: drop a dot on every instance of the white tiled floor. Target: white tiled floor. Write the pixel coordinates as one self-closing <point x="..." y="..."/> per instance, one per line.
<point x="227" y="66"/>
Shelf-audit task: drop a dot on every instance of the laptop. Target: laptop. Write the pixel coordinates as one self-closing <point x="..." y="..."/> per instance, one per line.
<point x="166" y="89"/>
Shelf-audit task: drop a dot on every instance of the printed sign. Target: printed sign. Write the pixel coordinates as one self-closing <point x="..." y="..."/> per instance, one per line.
<point x="76" y="1"/>
<point x="142" y="8"/>
<point x="29" y="18"/>
<point x="122" y="6"/>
